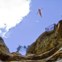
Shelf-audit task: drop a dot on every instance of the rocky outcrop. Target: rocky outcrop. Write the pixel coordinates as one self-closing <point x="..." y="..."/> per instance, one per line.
<point x="15" y="56"/>
<point x="59" y="29"/>
<point x="4" y="51"/>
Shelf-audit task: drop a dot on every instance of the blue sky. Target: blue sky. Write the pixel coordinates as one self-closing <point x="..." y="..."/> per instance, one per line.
<point x="26" y="32"/>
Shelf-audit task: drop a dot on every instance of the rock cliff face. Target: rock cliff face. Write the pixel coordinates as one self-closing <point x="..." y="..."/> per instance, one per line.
<point x="47" y="48"/>
<point x="48" y="43"/>
<point x="4" y="51"/>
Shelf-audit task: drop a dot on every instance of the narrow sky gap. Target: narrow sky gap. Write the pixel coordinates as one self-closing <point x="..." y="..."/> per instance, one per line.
<point x="32" y="25"/>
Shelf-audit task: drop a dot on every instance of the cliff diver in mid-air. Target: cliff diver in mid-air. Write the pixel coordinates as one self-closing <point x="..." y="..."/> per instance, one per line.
<point x="40" y="12"/>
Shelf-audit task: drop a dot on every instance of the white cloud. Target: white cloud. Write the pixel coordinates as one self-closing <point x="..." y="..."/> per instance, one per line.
<point x="12" y="12"/>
